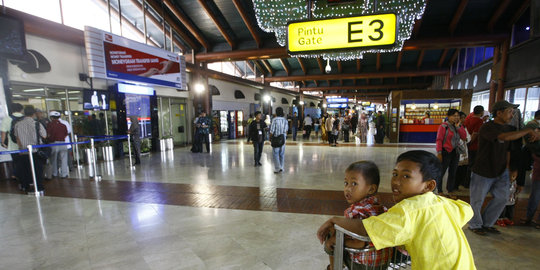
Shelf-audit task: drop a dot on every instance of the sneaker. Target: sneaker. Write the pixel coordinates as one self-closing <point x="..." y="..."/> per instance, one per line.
<point x="479" y="231"/>
<point x="492" y="230"/>
<point x="258" y="163"/>
<point x="500" y="223"/>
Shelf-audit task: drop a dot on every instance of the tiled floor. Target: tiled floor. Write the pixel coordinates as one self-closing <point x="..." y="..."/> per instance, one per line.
<point x="180" y="210"/>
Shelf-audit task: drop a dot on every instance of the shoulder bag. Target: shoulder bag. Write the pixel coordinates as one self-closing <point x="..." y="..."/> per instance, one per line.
<point x="43" y="152"/>
<point x="277" y="141"/>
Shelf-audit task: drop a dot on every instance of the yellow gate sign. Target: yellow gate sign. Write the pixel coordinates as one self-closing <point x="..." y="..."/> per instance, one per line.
<point x="342" y="33"/>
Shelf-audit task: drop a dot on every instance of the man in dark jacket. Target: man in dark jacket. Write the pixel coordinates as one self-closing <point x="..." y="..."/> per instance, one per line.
<point x="381" y="128"/>
<point x="257" y="130"/>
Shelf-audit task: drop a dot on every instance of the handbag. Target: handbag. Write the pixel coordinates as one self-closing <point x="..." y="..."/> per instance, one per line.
<point x="42" y="152"/>
<point x="277" y="141"/>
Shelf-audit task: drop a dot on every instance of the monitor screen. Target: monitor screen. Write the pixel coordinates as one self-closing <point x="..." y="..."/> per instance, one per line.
<point x="12" y="39"/>
<point x="95" y="100"/>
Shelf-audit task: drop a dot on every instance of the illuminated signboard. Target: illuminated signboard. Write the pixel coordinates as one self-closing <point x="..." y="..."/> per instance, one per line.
<point x="337" y="100"/>
<point x="342" y="33"/>
<point x="118" y="58"/>
<point x="337" y="105"/>
<point x="135" y="89"/>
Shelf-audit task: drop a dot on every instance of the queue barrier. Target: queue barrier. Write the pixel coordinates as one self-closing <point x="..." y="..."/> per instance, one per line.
<point x="30" y="149"/>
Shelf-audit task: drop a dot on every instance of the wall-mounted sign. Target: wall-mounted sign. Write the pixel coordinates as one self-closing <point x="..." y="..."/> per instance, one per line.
<point x="135" y="89"/>
<point x="366" y="103"/>
<point x="118" y="58"/>
<point x="342" y="33"/>
<point x="338" y="105"/>
<point x="337" y="100"/>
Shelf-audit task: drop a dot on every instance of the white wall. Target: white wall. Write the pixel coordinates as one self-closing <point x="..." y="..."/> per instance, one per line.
<point x="226" y="100"/>
<point x="66" y="60"/>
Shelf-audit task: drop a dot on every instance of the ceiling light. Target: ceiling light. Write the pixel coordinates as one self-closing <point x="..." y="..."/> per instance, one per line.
<point x="33" y="90"/>
<point x="413" y="107"/>
<point x="301" y="102"/>
<point x="328" y="68"/>
<point x="199" y="88"/>
<point x="528" y="28"/>
<point x="324" y="105"/>
<point x="266" y="98"/>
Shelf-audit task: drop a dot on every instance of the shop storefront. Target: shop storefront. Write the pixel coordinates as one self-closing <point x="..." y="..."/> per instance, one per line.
<point x="416" y="115"/>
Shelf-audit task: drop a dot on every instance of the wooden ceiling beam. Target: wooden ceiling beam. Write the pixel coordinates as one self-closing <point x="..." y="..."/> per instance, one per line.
<point x="398" y="61"/>
<point x="378" y="64"/>
<point x="169" y="21"/>
<point x="302" y="65"/>
<point x="321" y="64"/>
<point x="328" y="83"/>
<point x="339" y="66"/>
<point x="497" y="14"/>
<point x="372" y="75"/>
<point x="251" y="67"/>
<point x="252" y="28"/>
<point x="285" y="65"/>
<point x="519" y="12"/>
<point x="416" y="28"/>
<point x="420" y="59"/>
<point x="454" y="57"/>
<point x="263" y="71"/>
<point x="206" y="6"/>
<point x="443" y="56"/>
<point x="457" y="16"/>
<point x="410" y="45"/>
<point x="188" y="24"/>
<point x="316" y="83"/>
<point x="359" y="87"/>
<point x="268" y="67"/>
<point x="358" y="65"/>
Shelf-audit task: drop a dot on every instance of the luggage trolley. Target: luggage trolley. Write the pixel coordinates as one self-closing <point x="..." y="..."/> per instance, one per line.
<point x="398" y="260"/>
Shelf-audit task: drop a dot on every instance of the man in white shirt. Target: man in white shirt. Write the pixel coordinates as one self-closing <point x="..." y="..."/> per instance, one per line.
<point x="68" y="140"/>
<point x="308" y="124"/>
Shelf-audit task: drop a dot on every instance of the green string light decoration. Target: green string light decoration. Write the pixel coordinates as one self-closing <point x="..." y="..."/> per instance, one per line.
<point x="273" y="16"/>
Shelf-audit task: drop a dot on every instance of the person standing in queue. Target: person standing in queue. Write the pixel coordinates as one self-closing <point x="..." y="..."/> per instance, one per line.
<point x="28" y="132"/>
<point x="449" y="135"/>
<point x="57" y="133"/>
<point x="490" y="172"/>
<point x="135" y="132"/>
<point x="257" y="128"/>
<point x="203" y="131"/>
<point x="279" y="127"/>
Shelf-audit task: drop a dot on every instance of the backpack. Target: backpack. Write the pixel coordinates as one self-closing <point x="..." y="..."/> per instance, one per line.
<point x="14" y="120"/>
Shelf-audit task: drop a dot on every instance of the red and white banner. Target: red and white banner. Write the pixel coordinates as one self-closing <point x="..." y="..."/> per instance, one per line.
<point x="118" y="58"/>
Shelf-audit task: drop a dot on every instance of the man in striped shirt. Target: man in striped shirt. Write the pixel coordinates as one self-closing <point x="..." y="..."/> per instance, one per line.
<point x="279" y="127"/>
<point x="26" y="134"/>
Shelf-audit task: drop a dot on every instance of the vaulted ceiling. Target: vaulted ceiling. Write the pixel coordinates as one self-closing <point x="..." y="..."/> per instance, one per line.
<point x="227" y="30"/>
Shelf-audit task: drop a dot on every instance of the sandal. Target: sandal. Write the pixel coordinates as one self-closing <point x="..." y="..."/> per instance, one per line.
<point x="479" y="231"/>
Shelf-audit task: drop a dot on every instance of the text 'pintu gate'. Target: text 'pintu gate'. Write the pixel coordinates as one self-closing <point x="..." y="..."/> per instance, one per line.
<point x="342" y="33"/>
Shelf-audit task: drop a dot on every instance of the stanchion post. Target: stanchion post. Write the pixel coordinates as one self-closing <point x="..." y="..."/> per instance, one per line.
<point x="31" y="157"/>
<point x="129" y="149"/>
<point x="77" y="152"/>
<point x="96" y="177"/>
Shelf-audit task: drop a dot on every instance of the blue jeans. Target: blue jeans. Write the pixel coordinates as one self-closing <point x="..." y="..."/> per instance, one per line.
<point x="534" y="199"/>
<point x="258" y="149"/>
<point x="278" y="154"/>
<point x="499" y="187"/>
<point x="294" y="130"/>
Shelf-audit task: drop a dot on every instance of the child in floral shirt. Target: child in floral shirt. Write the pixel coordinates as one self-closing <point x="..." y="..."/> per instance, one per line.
<point x="361" y="184"/>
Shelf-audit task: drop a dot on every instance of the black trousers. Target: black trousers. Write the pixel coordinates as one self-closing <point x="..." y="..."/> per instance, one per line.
<point x="24" y="172"/>
<point x="449" y="161"/>
<point x="258" y="149"/>
<point x="308" y="131"/>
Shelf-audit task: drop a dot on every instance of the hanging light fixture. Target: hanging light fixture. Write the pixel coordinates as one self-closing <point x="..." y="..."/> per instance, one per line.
<point x="328" y="68"/>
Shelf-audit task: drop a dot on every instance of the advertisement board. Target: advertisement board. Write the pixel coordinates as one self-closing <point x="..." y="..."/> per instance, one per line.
<point x="118" y="58"/>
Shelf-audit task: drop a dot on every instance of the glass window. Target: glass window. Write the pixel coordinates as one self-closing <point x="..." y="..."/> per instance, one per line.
<point x="47" y="9"/>
<point x="533" y="98"/>
<point x="164" y="115"/>
<point x="95" y="14"/>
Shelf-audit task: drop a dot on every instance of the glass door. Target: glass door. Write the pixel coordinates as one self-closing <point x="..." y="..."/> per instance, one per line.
<point x="178" y="120"/>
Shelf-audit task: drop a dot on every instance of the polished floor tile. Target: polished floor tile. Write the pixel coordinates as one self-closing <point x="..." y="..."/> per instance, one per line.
<point x="180" y="210"/>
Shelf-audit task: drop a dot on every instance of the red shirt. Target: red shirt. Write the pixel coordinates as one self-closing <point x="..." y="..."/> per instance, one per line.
<point x="57" y="131"/>
<point x="364" y="209"/>
<point x="473" y="125"/>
